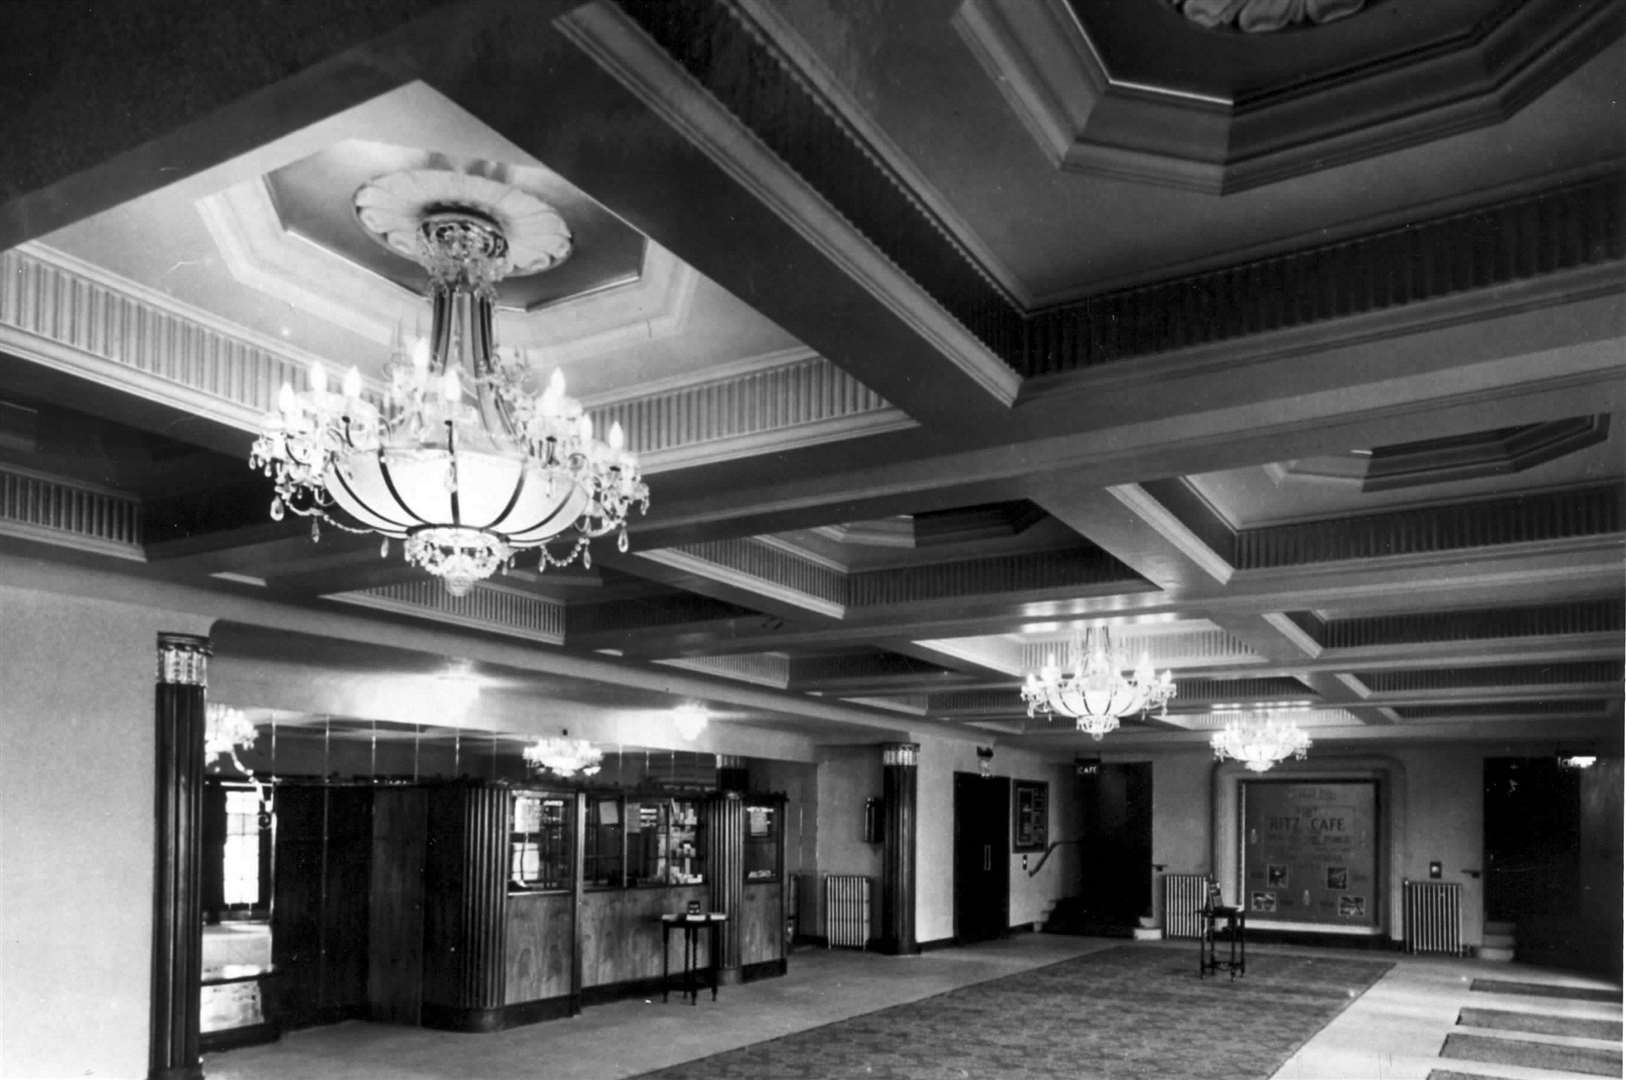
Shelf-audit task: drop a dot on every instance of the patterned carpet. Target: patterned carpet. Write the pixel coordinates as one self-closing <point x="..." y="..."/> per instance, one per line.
<point x="1128" y="1013"/>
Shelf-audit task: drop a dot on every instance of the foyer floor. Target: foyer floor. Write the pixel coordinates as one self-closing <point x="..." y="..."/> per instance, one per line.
<point x="1395" y="1031"/>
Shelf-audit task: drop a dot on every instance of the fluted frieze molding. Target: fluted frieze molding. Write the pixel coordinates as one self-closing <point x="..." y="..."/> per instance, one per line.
<point x="1504" y="710"/>
<point x="49" y="509"/>
<point x="802" y="401"/>
<point x="1523" y="519"/>
<point x="996" y="575"/>
<point x="766" y="570"/>
<point x="484" y="608"/>
<point x="1591" y="617"/>
<point x="69" y="315"/>
<point x="760" y="669"/>
<point x="1204" y="647"/>
<point x="1590" y="673"/>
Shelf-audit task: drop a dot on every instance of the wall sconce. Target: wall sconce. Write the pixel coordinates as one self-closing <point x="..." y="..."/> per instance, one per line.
<point x="985" y="760"/>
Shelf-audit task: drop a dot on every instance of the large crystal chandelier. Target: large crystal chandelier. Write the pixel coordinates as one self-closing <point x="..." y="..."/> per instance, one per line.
<point x="564" y="756"/>
<point x="462" y="457"/>
<point x="1260" y="740"/>
<point x="1097" y="694"/>
<point x="225" y="731"/>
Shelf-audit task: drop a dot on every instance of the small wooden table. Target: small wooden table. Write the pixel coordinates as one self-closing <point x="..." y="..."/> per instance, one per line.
<point x="691" y="925"/>
<point x="1235" y="920"/>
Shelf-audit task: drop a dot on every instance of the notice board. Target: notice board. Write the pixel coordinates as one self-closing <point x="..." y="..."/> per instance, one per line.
<point x="1310" y="851"/>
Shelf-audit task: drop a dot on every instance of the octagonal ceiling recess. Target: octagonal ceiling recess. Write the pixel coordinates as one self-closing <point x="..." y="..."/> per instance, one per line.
<point x="1135" y="90"/>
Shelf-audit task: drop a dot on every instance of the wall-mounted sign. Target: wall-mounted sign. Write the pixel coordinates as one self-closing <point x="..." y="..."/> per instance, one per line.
<point x="1032" y="832"/>
<point x="1310" y="851"/>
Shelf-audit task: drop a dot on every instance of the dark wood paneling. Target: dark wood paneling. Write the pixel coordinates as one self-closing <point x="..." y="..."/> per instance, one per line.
<point x="761" y="923"/>
<point x="725" y="869"/>
<point x="465" y="872"/>
<point x="177" y="939"/>
<point x="538" y="938"/>
<point x="395" y="958"/>
<point x="621" y="931"/>
<point x="348" y="871"/>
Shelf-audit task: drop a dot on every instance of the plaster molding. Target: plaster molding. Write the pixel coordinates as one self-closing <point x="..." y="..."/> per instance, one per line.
<point x="769" y="20"/>
<point x="1293" y="633"/>
<point x="759" y="669"/>
<point x="1204" y="648"/>
<point x="493" y="610"/>
<point x="1173" y="530"/>
<point x="1040" y="56"/>
<point x="611" y="38"/>
<point x="67" y="513"/>
<point x="756" y="568"/>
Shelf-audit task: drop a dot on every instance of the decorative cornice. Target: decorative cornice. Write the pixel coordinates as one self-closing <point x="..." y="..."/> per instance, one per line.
<point x="761" y="569"/>
<point x="1526" y="238"/>
<point x="1085" y="117"/>
<point x="1293" y="631"/>
<point x="1537" y="517"/>
<point x="904" y="755"/>
<point x="1264" y="16"/>
<point x="760" y="669"/>
<point x="1481" y="453"/>
<point x="739" y="102"/>
<point x="1502" y="710"/>
<point x="999" y="574"/>
<point x="67" y="513"/>
<point x="803" y="401"/>
<point x="1249" y="693"/>
<point x="484" y="608"/>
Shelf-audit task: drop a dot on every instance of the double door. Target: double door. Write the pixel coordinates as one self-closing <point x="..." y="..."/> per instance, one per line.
<point x="982" y="856"/>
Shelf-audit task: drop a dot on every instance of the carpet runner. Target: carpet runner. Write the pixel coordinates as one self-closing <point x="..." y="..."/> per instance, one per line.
<point x="1530" y="989"/>
<point x="1592" y="1061"/>
<point x="1127" y="1013"/>
<point x="1574" y="1027"/>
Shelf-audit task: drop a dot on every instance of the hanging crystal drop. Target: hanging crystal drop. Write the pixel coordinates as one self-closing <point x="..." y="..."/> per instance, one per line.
<point x="587" y="558"/>
<point x="621" y="541"/>
<point x="316" y="531"/>
<point x="276" y="509"/>
<point x="384" y="548"/>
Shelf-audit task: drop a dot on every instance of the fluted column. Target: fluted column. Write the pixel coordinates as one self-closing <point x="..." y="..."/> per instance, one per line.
<point x="900" y="768"/>
<point x="177" y="902"/>
<point x="465" y="889"/>
<point x="725" y="873"/>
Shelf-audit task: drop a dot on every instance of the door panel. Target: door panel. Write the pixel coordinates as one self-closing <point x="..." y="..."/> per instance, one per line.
<point x="981" y="856"/>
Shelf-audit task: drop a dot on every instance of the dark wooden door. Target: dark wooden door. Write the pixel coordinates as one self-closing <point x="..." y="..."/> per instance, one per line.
<point x="982" y="863"/>
<point x="1116" y="849"/>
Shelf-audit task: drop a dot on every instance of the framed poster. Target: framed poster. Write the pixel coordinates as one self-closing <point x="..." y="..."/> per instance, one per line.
<point x="1032" y="816"/>
<point x="1310" y="851"/>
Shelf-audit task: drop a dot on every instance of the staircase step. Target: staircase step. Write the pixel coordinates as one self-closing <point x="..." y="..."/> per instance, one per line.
<point x="1500" y="927"/>
<point x="1500" y="941"/>
<point x="1496" y="953"/>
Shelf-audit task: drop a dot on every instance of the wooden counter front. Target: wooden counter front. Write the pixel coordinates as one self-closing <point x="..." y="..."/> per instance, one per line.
<point x="537" y="947"/>
<point x="621" y="932"/>
<point x="762" y="928"/>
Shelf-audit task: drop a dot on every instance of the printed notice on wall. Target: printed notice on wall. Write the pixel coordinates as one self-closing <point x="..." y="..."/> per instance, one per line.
<point x="1310" y="851"/>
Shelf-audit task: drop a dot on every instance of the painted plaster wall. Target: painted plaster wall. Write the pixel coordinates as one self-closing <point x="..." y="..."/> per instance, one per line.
<point x="1180" y="809"/>
<point x="76" y="832"/>
<point x="847" y="776"/>
<point x="1031" y="897"/>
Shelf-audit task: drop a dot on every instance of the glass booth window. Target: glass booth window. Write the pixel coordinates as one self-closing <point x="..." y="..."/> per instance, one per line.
<point x="602" y="859"/>
<point x="683" y="843"/>
<point x="240" y="871"/>
<point x="539" y="843"/>
<point x="761" y="841"/>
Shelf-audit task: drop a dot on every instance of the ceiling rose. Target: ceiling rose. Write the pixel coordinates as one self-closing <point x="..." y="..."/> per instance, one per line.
<point x="1263" y="16"/>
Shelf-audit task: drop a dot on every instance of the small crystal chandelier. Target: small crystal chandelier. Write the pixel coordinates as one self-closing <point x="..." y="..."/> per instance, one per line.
<point x="1097" y="694"/>
<point x="564" y="756"/>
<point x="225" y="731"/>
<point x="690" y="720"/>
<point x="463" y="458"/>
<point x="1260" y="740"/>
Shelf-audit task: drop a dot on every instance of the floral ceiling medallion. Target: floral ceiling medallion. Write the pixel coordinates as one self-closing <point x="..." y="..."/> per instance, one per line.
<point x="1263" y="16"/>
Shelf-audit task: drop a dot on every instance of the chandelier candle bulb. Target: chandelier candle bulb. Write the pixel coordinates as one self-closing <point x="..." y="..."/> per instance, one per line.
<point x="318" y="378"/>
<point x="352" y="383"/>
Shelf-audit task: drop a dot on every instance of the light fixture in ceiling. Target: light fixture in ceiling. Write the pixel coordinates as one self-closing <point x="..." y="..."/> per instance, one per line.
<point x="462" y="457"/>
<point x="690" y="720"/>
<point x="1260" y="739"/>
<point x="1097" y="694"/>
<point x="564" y="756"/>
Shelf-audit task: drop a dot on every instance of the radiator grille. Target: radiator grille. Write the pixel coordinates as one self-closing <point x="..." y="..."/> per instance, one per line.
<point x="846" y="910"/>
<point x="1433" y="917"/>
<point x="1183" y="898"/>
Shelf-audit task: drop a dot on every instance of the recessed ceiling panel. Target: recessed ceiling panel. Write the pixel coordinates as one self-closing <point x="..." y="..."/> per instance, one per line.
<point x="314" y="199"/>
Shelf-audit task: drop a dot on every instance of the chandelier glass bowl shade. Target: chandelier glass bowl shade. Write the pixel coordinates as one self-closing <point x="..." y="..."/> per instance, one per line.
<point x="1096" y="694"/>
<point x="564" y="756"/>
<point x="1260" y="740"/>
<point x="463" y="456"/>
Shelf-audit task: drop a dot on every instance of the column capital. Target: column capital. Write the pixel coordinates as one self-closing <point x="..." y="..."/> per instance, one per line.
<point x="905" y="753"/>
<point x="183" y="659"/>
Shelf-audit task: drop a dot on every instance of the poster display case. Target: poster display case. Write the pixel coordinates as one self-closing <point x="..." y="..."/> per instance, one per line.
<point x="1310" y="852"/>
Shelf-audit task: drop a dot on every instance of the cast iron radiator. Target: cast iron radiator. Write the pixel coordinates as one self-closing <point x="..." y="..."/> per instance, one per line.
<point x="846" y="910"/>
<point x="1433" y="916"/>
<point x="1183" y="898"/>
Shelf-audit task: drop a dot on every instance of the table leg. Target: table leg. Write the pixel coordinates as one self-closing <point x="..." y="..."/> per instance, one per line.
<point x="715" y="928"/>
<point x="666" y="962"/>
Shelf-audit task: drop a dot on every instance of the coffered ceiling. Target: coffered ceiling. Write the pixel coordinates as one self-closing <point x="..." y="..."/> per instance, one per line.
<point x="943" y="328"/>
